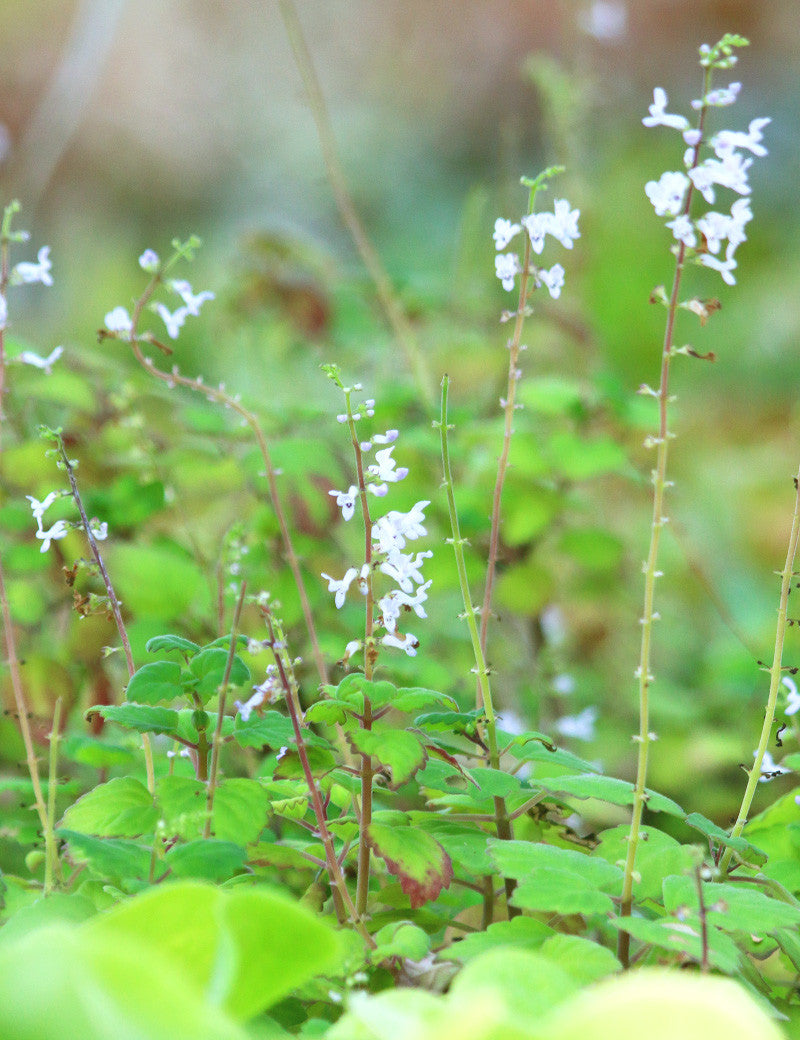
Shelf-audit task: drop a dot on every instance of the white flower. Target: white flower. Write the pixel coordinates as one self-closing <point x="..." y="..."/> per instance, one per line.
<point x="346" y="500"/>
<point x="683" y="230"/>
<point x="720" y="97"/>
<point x="404" y="569"/>
<point x="725" y="267"/>
<point x="340" y="587"/>
<point x="100" y="531"/>
<point x="605" y="20"/>
<point x="172" y="319"/>
<point x="726" y="140"/>
<point x="27" y="273"/>
<point x="384" y="470"/>
<point x="537" y="225"/>
<point x="504" y="231"/>
<point x="245" y="708"/>
<point x="506" y="266"/>
<point x="659" y="115"/>
<point x="3" y="312"/>
<point x="793" y="700"/>
<point x="564" y="684"/>
<point x="769" y="768"/>
<point x="118" y="320"/>
<point x="60" y="529"/>
<point x="391" y="531"/>
<point x="553" y="279"/>
<point x="392" y="604"/>
<point x="192" y="301"/>
<point x="409" y="643"/>
<point x="579" y="727"/>
<point x="564" y="223"/>
<point x="149" y="261"/>
<point x="27" y="357"/>
<point x="667" y="193"/>
<point x="40" y="508"/>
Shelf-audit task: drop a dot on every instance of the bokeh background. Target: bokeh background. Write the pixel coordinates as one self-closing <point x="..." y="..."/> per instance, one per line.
<point x="126" y="124"/>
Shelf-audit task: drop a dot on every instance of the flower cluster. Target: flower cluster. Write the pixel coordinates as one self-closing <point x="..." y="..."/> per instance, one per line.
<point x="60" y="528"/>
<point x="704" y="239"/>
<point x="390" y="535"/>
<point x="28" y="272"/>
<point x="562" y="224"/>
<point x="119" y="320"/>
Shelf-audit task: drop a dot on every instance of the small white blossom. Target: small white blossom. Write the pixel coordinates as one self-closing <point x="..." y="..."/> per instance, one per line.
<point x="605" y="20"/>
<point x="564" y="223"/>
<point x="659" y="115"/>
<point x="3" y="312"/>
<point x="27" y="273"/>
<point x="28" y="357"/>
<point x="504" y="231"/>
<point x="384" y="470"/>
<point x="769" y="768"/>
<point x="40" y="508"/>
<point x="340" y="587"/>
<point x="553" y="279"/>
<point x="99" y="530"/>
<point x="667" y="193"/>
<point x="793" y="700"/>
<point x="537" y="225"/>
<point x="346" y="501"/>
<point x="408" y="643"/>
<point x="118" y="320"/>
<point x="725" y="267"/>
<point x="192" y="301"/>
<point x="60" y="529"/>
<point x="174" y="320"/>
<point x="507" y="267"/>
<point x="720" y="97"/>
<point x="683" y="230"/>
<point x="149" y="261"/>
<point x="260" y="694"/>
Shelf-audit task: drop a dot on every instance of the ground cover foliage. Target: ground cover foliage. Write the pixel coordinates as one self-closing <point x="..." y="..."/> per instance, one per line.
<point x="292" y="743"/>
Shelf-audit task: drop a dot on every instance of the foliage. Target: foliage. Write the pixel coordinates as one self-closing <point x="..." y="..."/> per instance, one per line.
<point x="269" y="814"/>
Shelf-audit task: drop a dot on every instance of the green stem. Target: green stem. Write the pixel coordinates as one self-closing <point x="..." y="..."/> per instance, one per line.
<point x="651" y="573"/>
<point x="51" y="864"/>
<point x="216" y="742"/>
<point x="775" y="676"/>
<point x="395" y="315"/>
<point x="502" y="821"/>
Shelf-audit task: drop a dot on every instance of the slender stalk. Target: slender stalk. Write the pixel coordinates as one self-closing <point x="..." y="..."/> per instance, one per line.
<point x="335" y="874"/>
<point x="116" y="608"/>
<point x="502" y="821"/>
<point x="216" y="743"/>
<point x="387" y="296"/>
<point x="775" y="675"/>
<point x="643" y="673"/>
<point x="514" y="346"/>
<point x="51" y="854"/>
<point x="24" y="727"/>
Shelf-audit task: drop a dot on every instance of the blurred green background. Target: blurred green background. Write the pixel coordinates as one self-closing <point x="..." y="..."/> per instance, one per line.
<point x="126" y="124"/>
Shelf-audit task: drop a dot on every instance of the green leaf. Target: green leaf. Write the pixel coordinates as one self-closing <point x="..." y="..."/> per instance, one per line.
<point x="607" y="789"/>
<point x="181" y="804"/>
<point x="747" y="852"/>
<point x="120" y="808"/>
<point x="556" y="880"/>
<point x="656" y="856"/>
<point x="730" y="907"/>
<point x="523" y="933"/>
<point x="355" y="687"/>
<point x="108" y="858"/>
<point x="206" y="859"/>
<point x="451" y="721"/>
<point x="495" y="782"/>
<point x="240" y="810"/>
<point x="101" y="987"/>
<point x="465" y="845"/>
<point x="578" y="458"/>
<point x="414" y="857"/>
<point x="397" y="749"/>
<point x="414" y="698"/>
<point x="552" y="395"/>
<point x="208" y="671"/>
<point x="155" y="682"/>
<point x="561" y="892"/>
<point x="144" y="718"/>
<point x="582" y="958"/>
<point x="246" y="948"/>
<point x="400" y="939"/>
<point x="166" y="643"/>
<point x="268" y="730"/>
<point x="329" y="713"/>
<point x="682" y="940"/>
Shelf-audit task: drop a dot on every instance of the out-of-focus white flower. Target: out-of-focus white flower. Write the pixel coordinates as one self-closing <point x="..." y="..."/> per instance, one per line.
<point x="149" y="261"/>
<point x="667" y="193"/>
<point x="580" y="726"/>
<point x="553" y="279"/>
<point x="504" y="231"/>
<point x="346" y="501"/>
<point x="793" y="700"/>
<point x="118" y="320"/>
<point x="174" y="320"/>
<point x="28" y="357"/>
<point x="192" y="301"/>
<point x="605" y="20"/>
<point x="769" y="768"/>
<point x="659" y="115"/>
<point x="506" y="266"/>
<point x="40" y="508"/>
<point x="27" y="273"/>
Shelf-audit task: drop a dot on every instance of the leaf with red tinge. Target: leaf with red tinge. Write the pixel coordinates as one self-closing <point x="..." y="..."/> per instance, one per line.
<point x="416" y="859"/>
